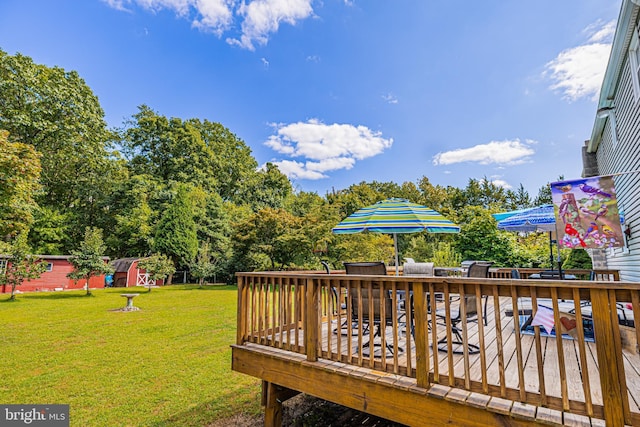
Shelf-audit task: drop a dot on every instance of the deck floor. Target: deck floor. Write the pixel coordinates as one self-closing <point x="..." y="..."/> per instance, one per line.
<point x="337" y="346"/>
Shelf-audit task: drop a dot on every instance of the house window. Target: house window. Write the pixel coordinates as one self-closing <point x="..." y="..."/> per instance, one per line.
<point x="634" y="61"/>
<point x="49" y="266"/>
<point x="3" y="266"/>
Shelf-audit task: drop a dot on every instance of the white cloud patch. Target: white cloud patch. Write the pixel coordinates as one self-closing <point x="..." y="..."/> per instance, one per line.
<point x="578" y="72"/>
<point x="499" y="152"/>
<point x="390" y="98"/>
<point x="501" y="183"/>
<point x="257" y="19"/>
<point x="324" y="147"/>
<point x="263" y="17"/>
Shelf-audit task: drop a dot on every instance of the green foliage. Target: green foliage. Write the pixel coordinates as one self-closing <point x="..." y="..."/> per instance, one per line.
<point x="49" y="231"/>
<point x="271" y="239"/>
<point x="136" y="202"/>
<point x="19" y="174"/>
<point x="362" y="247"/>
<point x="57" y="113"/>
<point x="269" y="188"/>
<point x="158" y="266"/>
<point x="180" y="181"/>
<point x="205" y="265"/>
<point x="578" y="258"/>
<point x="480" y="239"/>
<point x="20" y="265"/>
<point x="176" y="233"/>
<point x="438" y="251"/>
<point x="88" y="260"/>
<point x="446" y="255"/>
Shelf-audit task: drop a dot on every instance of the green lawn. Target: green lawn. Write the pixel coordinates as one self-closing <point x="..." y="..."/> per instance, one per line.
<point x="167" y="364"/>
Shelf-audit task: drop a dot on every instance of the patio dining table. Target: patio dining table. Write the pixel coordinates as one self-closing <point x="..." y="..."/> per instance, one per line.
<point x="555" y="275"/>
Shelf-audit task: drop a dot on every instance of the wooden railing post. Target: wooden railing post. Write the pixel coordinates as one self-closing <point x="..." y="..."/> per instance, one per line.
<point x="241" y="326"/>
<point x="421" y="331"/>
<point x="311" y="321"/>
<point x="610" y="370"/>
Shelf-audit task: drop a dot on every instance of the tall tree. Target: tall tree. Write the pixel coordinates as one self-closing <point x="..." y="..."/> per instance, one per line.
<point x="176" y="233"/>
<point x="19" y="174"/>
<point x="135" y="204"/>
<point x="88" y="260"/>
<point x="267" y="188"/>
<point x="55" y="111"/>
<point x="271" y="239"/>
<point x="204" y="265"/>
<point x="20" y="265"/>
<point x="202" y="153"/>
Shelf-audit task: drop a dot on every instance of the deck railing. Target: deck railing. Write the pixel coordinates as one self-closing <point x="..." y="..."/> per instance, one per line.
<point x="324" y="316"/>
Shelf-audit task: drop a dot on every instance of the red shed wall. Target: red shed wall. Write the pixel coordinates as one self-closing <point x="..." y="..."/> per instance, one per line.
<point x="133" y="275"/>
<point x="56" y="278"/>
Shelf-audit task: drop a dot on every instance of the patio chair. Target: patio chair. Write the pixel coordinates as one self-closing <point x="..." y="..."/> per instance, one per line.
<point x="418" y="269"/>
<point x="457" y="342"/>
<point x="368" y="318"/>
<point x="471" y="305"/>
<point x="481" y="269"/>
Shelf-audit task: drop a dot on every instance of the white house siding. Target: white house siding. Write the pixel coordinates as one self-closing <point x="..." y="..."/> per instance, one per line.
<point x="622" y="158"/>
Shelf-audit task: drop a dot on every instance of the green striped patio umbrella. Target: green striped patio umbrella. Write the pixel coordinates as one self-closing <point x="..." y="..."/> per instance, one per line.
<point x="395" y="216"/>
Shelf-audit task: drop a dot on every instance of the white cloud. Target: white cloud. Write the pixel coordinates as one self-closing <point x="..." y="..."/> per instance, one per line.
<point x="390" y="98"/>
<point x="216" y="15"/>
<point x="263" y="17"/>
<point x="500" y="152"/>
<point x="258" y="18"/>
<point x="117" y="4"/>
<point x="501" y="183"/>
<point x="324" y="147"/>
<point x="601" y="33"/>
<point x="578" y="72"/>
<point x="297" y="170"/>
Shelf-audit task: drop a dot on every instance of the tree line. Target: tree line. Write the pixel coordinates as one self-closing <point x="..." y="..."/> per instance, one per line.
<point x="191" y="190"/>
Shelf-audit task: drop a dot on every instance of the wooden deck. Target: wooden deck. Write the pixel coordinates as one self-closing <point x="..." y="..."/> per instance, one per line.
<point x="288" y="332"/>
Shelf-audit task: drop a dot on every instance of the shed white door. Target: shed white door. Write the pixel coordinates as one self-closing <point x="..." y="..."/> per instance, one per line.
<point x="143" y="280"/>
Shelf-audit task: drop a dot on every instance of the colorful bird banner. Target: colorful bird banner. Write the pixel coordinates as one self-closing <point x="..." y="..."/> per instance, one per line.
<point x="587" y="213"/>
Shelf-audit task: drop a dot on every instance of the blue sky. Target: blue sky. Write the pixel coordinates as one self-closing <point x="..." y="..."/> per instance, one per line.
<point x="337" y="92"/>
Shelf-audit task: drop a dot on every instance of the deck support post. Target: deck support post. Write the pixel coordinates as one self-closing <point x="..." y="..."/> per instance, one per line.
<point x="611" y="370"/>
<point x="272" y="397"/>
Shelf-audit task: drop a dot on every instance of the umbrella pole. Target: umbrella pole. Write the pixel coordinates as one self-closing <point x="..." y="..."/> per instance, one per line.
<point x="550" y="250"/>
<point x="395" y="247"/>
<point x="559" y="260"/>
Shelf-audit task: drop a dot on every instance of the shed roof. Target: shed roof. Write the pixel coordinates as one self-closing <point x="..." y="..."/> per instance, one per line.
<point x="123" y="264"/>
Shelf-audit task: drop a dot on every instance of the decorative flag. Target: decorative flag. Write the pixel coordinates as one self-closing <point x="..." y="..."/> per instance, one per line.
<point x="587" y="213"/>
<point x="568" y="325"/>
<point x="544" y="318"/>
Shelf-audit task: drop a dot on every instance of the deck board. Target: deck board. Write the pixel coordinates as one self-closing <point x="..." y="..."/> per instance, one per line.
<point x="338" y="347"/>
<point x="553" y="382"/>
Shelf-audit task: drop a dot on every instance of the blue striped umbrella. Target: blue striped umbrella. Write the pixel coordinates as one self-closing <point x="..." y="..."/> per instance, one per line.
<point x="540" y="218"/>
<point x="395" y="216"/>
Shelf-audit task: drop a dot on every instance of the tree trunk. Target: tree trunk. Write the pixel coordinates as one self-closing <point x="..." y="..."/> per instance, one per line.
<point x="88" y="291"/>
